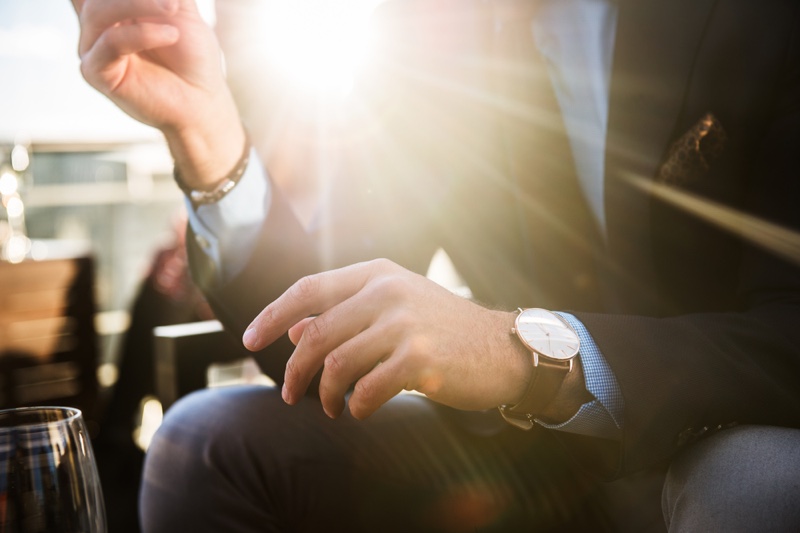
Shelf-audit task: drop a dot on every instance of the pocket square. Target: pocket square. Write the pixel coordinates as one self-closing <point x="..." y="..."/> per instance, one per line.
<point x="692" y="154"/>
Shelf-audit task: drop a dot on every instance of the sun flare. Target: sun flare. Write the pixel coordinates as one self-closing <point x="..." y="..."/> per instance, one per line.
<point x="316" y="44"/>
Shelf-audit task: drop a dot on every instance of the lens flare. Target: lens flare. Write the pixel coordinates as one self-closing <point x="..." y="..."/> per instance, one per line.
<point x="8" y="184"/>
<point x="316" y="44"/>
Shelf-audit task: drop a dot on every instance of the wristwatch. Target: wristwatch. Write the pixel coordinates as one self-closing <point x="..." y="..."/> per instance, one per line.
<point x="553" y="345"/>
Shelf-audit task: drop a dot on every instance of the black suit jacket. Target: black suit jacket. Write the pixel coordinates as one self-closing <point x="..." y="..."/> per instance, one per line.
<point x="452" y="143"/>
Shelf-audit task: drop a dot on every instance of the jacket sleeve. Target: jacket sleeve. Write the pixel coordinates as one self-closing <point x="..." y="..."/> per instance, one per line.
<point x="686" y="376"/>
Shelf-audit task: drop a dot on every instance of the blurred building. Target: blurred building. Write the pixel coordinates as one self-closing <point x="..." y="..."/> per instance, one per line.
<point x="117" y="201"/>
<point x="94" y="176"/>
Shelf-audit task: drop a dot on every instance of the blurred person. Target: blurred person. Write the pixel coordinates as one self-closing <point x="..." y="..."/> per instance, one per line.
<point x="166" y="295"/>
<point x="627" y="168"/>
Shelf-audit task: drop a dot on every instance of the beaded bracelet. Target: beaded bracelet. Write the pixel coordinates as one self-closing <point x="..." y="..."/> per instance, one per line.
<point x="225" y="186"/>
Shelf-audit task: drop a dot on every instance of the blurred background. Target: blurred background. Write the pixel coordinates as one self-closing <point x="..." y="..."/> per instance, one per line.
<point x="92" y="175"/>
<point x="91" y="222"/>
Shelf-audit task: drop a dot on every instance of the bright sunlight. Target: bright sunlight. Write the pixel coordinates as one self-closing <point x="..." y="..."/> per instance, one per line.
<point x="316" y="44"/>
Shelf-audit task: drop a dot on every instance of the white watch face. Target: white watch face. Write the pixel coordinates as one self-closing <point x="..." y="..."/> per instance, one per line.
<point x="545" y="332"/>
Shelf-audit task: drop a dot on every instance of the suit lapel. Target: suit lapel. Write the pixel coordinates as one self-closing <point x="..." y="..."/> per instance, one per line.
<point x="656" y="43"/>
<point x="556" y="223"/>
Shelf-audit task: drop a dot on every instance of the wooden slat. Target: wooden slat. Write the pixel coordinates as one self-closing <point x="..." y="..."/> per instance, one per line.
<point x="44" y="327"/>
<point x="19" y="301"/>
<point x="40" y="348"/>
<point x="36" y="275"/>
<point x="47" y="344"/>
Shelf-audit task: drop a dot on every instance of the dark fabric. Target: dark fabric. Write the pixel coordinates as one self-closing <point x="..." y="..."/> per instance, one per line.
<point x="706" y="339"/>
<point x="239" y="459"/>
<point x="166" y="296"/>
<point x="696" y="318"/>
<point x="743" y="479"/>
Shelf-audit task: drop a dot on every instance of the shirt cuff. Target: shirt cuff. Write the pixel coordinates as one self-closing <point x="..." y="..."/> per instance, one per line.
<point x="227" y="230"/>
<point x="601" y="417"/>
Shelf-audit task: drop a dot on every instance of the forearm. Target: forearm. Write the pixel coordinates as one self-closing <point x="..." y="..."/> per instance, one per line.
<point x="161" y="64"/>
<point x="206" y="149"/>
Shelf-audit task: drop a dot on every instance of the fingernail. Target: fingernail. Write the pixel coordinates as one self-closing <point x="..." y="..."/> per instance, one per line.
<point x="285" y="394"/>
<point x="250" y="337"/>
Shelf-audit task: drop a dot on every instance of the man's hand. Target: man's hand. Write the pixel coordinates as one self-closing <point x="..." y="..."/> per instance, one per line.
<point x="386" y="329"/>
<point x="160" y="63"/>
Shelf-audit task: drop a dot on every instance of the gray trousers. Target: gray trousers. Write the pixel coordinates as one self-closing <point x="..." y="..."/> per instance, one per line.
<point x="742" y="479"/>
<point x="238" y="459"/>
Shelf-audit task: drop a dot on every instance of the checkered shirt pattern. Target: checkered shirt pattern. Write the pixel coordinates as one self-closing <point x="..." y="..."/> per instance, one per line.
<point x="601" y="417"/>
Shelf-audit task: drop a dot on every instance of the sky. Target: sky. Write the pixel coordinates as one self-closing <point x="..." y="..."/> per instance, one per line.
<point x="43" y="97"/>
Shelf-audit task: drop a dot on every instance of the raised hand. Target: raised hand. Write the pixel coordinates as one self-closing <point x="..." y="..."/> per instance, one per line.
<point x="160" y="63"/>
<point x="386" y="329"/>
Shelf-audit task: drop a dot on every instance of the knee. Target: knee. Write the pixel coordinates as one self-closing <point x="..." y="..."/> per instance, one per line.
<point x="196" y="461"/>
<point x="208" y="423"/>
<point x="742" y="479"/>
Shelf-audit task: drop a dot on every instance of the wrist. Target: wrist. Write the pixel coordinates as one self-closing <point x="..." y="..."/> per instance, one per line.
<point x="206" y="150"/>
<point x="553" y="347"/>
<point x="570" y="397"/>
<point x="226" y="185"/>
<point x="520" y="370"/>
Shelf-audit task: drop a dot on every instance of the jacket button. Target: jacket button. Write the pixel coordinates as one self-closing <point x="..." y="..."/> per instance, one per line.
<point x="690" y="435"/>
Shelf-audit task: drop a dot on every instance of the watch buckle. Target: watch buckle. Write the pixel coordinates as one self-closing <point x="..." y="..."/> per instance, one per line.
<point x="525" y="423"/>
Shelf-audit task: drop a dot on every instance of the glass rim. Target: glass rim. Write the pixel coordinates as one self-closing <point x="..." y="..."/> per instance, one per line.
<point x="70" y="414"/>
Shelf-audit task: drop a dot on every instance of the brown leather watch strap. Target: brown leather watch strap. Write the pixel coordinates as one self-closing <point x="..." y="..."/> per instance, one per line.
<point x="542" y="389"/>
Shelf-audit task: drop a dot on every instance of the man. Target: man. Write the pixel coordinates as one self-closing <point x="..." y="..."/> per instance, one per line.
<point x="645" y="181"/>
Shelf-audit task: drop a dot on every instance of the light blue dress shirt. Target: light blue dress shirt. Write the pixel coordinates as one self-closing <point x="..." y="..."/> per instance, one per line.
<point x="576" y="38"/>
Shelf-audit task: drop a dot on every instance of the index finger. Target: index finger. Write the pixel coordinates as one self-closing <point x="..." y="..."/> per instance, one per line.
<point x="117" y="4"/>
<point x="98" y="15"/>
<point x="310" y="295"/>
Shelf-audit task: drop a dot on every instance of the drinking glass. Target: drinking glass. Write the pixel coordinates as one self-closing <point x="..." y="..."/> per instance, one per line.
<point x="48" y="477"/>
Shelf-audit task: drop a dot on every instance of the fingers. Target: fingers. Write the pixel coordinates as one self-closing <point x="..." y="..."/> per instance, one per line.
<point x="351" y="334"/>
<point x="296" y="331"/>
<point x="311" y="295"/>
<point x="409" y="366"/>
<point x="119" y="41"/>
<point x="96" y="16"/>
<point x="376" y="388"/>
<point x="349" y="362"/>
<point x="323" y="337"/>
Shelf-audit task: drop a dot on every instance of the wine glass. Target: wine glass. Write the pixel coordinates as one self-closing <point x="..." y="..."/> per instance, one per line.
<point x="48" y="477"/>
